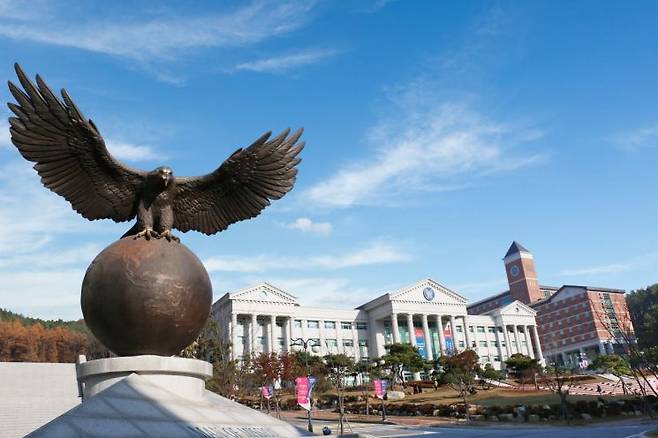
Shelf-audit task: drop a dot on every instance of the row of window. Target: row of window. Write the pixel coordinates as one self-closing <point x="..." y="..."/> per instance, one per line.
<point x="345" y="325"/>
<point x="313" y="341"/>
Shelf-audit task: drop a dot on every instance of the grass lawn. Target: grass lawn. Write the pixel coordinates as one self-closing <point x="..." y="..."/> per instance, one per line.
<point x="493" y="397"/>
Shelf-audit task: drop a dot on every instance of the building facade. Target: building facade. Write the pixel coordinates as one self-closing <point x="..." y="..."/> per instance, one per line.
<point x="574" y="322"/>
<point x="426" y="314"/>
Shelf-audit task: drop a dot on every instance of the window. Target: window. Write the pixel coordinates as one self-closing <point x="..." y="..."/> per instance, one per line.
<point x="483" y="343"/>
<point x="461" y="344"/>
<point x="280" y="341"/>
<point x="500" y="329"/>
<point x="363" y="342"/>
<point x="485" y="359"/>
<point x="346" y="325"/>
<point x="361" y="326"/>
<point x="494" y="344"/>
<point x="332" y="343"/>
<point x="348" y="343"/>
<point x="459" y="329"/>
<point x="480" y="329"/>
<point x="491" y="329"/>
<point x="330" y="325"/>
<point x="261" y="342"/>
<point x="313" y="324"/>
<point x="470" y="328"/>
<point x="298" y="323"/>
<point x="496" y="358"/>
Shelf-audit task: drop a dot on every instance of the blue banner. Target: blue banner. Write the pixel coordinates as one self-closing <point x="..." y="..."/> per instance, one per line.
<point x="420" y="342"/>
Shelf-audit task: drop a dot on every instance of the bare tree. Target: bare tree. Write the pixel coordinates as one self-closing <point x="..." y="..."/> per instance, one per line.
<point x="560" y="380"/>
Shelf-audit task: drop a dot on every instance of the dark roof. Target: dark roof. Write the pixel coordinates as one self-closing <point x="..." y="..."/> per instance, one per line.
<point x="587" y="288"/>
<point x="515" y="248"/>
<point x="486" y="300"/>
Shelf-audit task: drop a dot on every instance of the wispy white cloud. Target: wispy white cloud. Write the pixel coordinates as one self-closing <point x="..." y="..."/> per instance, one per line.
<point x="323" y="291"/>
<point x="166" y="36"/>
<point x="374" y="254"/>
<point x="613" y="268"/>
<point x="131" y="152"/>
<point x="284" y="63"/>
<point x="5" y="138"/>
<point x="41" y="261"/>
<point x="425" y="145"/>
<point x="636" y="139"/>
<point x="594" y="270"/>
<point x="306" y="225"/>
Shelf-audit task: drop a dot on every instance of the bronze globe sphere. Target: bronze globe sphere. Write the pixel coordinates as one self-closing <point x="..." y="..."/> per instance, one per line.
<point x="146" y="297"/>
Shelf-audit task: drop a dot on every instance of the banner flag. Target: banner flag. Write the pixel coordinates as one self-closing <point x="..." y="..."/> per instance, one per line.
<point x="304" y="391"/>
<point x="381" y="386"/>
<point x="267" y="391"/>
<point x="420" y="342"/>
<point x="450" y="343"/>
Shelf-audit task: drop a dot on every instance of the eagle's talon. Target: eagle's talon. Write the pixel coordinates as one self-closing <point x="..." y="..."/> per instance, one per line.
<point x="147" y="233"/>
<point x="169" y="236"/>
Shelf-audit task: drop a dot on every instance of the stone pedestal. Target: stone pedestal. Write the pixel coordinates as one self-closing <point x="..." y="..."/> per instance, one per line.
<point x="185" y="377"/>
<point x="157" y="396"/>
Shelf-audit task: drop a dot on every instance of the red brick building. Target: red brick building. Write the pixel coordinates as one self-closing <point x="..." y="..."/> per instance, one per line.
<point x="574" y="322"/>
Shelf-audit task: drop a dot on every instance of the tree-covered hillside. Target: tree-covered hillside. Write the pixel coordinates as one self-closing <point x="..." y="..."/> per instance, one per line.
<point x="643" y="307"/>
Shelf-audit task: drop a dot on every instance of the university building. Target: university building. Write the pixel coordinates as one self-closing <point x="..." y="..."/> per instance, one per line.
<point x="428" y="315"/>
<point x="574" y="322"/>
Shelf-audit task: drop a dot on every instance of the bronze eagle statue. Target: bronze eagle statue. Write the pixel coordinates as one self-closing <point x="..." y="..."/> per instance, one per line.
<point x="73" y="161"/>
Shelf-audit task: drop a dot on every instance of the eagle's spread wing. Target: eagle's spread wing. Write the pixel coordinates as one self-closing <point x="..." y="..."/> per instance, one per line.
<point x="241" y="187"/>
<point x="70" y="154"/>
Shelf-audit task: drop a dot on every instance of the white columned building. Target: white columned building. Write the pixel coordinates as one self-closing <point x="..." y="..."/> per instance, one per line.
<point x="428" y="315"/>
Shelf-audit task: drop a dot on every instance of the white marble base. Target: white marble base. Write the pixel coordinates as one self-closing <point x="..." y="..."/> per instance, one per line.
<point x="185" y="377"/>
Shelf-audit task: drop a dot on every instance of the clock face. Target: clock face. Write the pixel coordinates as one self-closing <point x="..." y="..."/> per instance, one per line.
<point x="515" y="271"/>
<point x="428" y="293"/>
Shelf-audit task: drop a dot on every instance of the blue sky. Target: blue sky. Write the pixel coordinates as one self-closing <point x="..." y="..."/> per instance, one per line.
<point x="436" y="134"/>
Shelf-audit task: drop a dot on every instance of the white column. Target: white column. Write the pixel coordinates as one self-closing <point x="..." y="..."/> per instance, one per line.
<point x="467" y="334"/>
<point x="442" y="339"/>
<point x="528" y="341"/>
<point x="323" y="344"/>
<point x="508" y="344"/>
<point x="476" y="338"/>
<point x="538" y="352"/>
<point x="395" y="328"/>
<point x="234" y="335"/>
<point x="374" y="347"/>
<point x="272" y="338"/>
<point x="516" y="339"/>
<point x="428" y="337"/>
<point x="303" y="323"/>
<point x="339" y="337"/>
<point x="410" y="327"/>
<point x="455" y="343"/>
<point x="287" y="333"/>
<point x="254" y="333"/>
<point x="498" y="346"/>
<point x="355" y="343"/>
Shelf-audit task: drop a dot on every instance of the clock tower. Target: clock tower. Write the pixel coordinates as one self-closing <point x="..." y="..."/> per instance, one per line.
<point x="521" y="274"/>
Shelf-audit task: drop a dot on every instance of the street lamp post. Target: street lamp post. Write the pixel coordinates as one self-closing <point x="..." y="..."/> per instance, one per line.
<point x="381" y="364"/>
<point x="339" y="375"/>
<point x="305" y="343"/>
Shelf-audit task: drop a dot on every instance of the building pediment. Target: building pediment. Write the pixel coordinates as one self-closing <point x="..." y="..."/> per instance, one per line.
<point x="428" y="290"/>
<point x="514" y="308"/>
<point x="264" y="292"/>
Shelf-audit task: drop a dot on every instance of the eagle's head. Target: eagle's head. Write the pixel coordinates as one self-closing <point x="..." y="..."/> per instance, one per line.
<point x="163" y="175"/>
